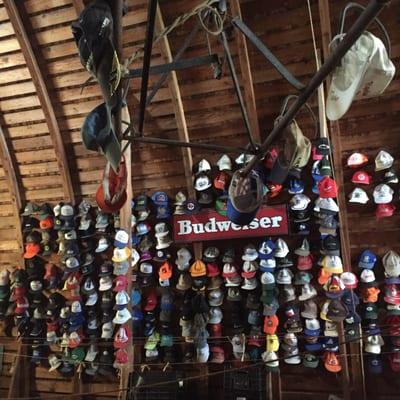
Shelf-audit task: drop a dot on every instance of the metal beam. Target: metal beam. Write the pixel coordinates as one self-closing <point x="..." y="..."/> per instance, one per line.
<point x="189" y="145"/>
<point x="43" y="95"/>
<point x="367" y="16"/>
<point x="12" y="179"/>
<point x="174" y="66"/>
<point x="148" y="47"/>
<point x="246" y="75"/>
<point x="267" y="53"/>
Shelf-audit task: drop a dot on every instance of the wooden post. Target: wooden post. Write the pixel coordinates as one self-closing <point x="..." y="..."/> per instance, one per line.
<point x="356" y="361"/>
<point x="20" y="374"/>
<point x="12" y="179"/>
<point x="43" y="95"/>
<point x="78" y="5"/>
<point x="246" y="75"/>
<point x="179" y="112"/>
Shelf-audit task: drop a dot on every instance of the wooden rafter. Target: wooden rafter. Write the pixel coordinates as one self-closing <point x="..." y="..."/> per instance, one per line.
<point x="43" y="95"/>
<point x="179" y="112"/>
<point x="246" y="75"/>
<point x="10" y="173"/>
<point x="78" y="5"/>
<point x="356" y="361"/>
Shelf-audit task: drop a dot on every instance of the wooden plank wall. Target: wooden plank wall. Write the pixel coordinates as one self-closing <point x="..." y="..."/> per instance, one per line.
<point x="212" y="113"/>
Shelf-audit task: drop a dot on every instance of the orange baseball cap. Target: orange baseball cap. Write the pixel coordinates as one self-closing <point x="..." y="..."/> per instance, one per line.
<point x="271" y="324"/>
<point x="47" y="223"/>
<point x="31" y="250"/>
<point x="323" y="276"/>
<point x="332" y="363"/>
<point x="370" y="295"/>
<point x="165" y="271"/>
<point x="198" y="268"/>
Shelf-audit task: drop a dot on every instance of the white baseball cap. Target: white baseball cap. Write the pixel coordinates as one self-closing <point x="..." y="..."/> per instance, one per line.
<point x="358" y="195"/>
<point x="224" y="163"/>
<point x="391" y="263"/>
<point x="383" y="161"/>
<point x="281" y="248"/>
<point x="383" y="194"/>
<point x="299" y="202"/>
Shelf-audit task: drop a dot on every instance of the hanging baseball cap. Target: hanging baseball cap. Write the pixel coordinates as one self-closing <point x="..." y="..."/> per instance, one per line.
<point x="358" y="195"/>
<point x="266" y="250"/>
<point x="349" y="280"/>
<point x="367" y="260"/>
<point x="245" y="198"/>
<point x="121" y="239"/>
<point x="357" y="160"/>
<point x="390" y="176"/>
<point x="202" y="182"/>
<point x="327" y="188"/>
<point x="383" y="161"/>
<point x="332" y="264"/>
<point x="299" y="202"/>
<point x="281" y="248"/>
<point x="361" y="177"/>
<point x="296" y="186"/>
<point x="384" y="210"/>
<point x="391" y="264"/>
<point x="224" y="163"/>
<point x="383" y="194"/>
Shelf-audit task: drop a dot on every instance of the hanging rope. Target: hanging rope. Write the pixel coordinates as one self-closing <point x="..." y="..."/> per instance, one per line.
<point x="206" y="5"/>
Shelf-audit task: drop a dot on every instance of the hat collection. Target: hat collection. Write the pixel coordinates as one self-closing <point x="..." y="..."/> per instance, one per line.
<point x="83" y="300"/>
<point x="383" y="192"/>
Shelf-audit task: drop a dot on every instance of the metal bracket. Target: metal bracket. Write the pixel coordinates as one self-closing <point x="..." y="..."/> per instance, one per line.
<point x="250" y="35"/>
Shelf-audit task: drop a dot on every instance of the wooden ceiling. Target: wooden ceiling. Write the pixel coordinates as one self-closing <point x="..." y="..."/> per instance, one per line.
<point x="42" y="104"/>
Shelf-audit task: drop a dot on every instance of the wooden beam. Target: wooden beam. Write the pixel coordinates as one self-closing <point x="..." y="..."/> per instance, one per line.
<point x="20" y="379"/>
<point x="356" y="362"/>
<point x="12" y="179"/>
<point x="78" y="5"/>
<point x="43" y="95"/>
<point x="180" y="117"/>
<point x="246" y="75"/>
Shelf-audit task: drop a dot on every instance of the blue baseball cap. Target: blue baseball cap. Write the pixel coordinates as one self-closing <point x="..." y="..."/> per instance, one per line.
<point x="160" y="198"/>
<point x="296" y="186"/>
<point x="367" y="260"/>
<point x="313" y="347"/>
<point x="136" y="297"/>
<point x="374" y="364"/>
<point x="315" y="187"/>
<point x="266" y="250"/>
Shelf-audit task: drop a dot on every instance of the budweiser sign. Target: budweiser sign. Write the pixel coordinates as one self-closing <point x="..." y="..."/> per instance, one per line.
<point x="209" y="225"/>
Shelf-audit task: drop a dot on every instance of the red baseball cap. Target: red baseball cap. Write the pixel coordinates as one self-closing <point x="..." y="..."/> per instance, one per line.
<point x="271" y="324"/>
<point x="221" y="180"/>
<point x="213" y="270"/>
<point x="31" y="250"/>
<point x="255" y="341"/>
<point x="304" y="263"/>
<point x="270" y="158"/>
<point x="315" y="155"/>
<point x="395" y="361"/>
<point x="52" y="326"/>
<point x="274" y="189"/>
<point x="47" y="223"/>
<point x="121" y="339"/>
<point x="121" y="357"/>
<point x="216" y="330"/>
<point x="120" y="283"/>
<point x="361" y="177"/>
<point x="151" y="301"/>
<point x="19" y="292"/>
<point x="51" y="270"/>
<point x="111" y="194"/>
<point x="384" y="210"/>
<point x="327" y="188"/>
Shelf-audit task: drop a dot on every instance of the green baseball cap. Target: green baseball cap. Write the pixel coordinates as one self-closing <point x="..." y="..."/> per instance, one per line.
<point x="77" y="355"/>
<point x="310" y="361"/>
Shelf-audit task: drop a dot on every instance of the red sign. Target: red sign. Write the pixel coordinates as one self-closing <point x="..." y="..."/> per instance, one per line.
<point x="209" y="225"/>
